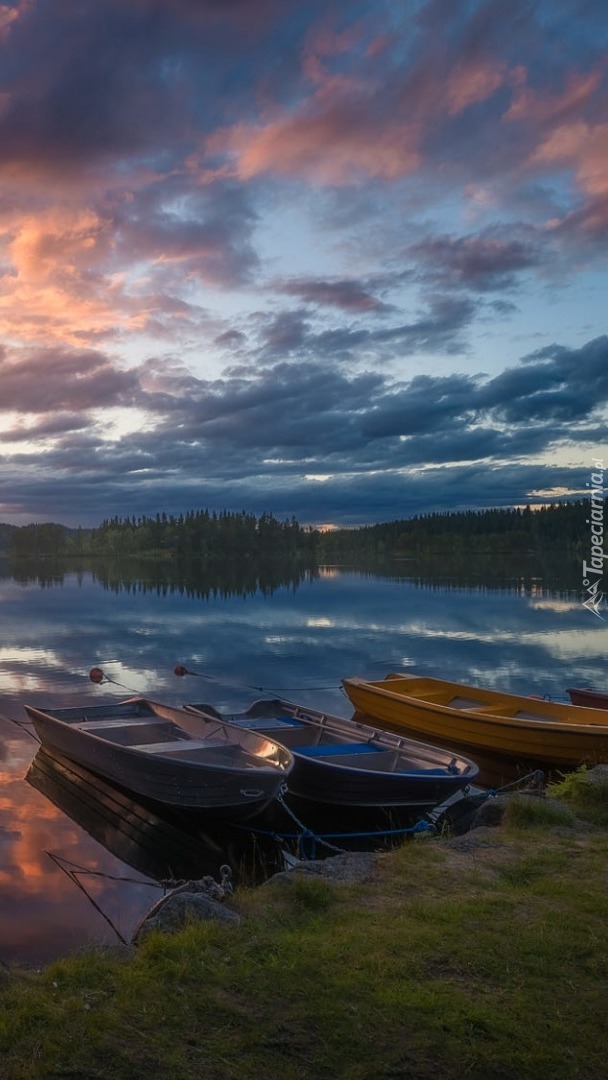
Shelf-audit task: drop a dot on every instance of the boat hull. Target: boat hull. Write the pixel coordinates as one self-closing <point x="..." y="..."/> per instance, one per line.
<point x="591" y="699"/>
<point x="400" y="773"/>
<point x="518" y="727"/>
<point x="234" y="790"/>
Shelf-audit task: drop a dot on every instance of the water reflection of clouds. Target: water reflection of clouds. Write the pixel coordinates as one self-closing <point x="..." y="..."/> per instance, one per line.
<point x="565" y="642"/>
<point x="43" y="913"/>
<point x="340" y="624"/>
<point x="559" y="606"/>
<point x="17" y="753"/>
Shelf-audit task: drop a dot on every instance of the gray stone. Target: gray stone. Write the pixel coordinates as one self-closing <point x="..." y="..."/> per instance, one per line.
<point x="194" y="900"/>
<point x="482" y="838"/>
<point x="492" y="811"/>
<point x="349" y="868"/>
<point x="598" y="777"/>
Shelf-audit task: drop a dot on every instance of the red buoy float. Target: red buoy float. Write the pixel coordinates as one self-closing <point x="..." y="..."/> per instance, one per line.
<point x="179" y="669"/>
<point x="96" y="675"/>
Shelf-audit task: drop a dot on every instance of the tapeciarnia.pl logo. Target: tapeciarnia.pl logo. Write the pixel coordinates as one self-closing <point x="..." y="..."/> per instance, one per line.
<point x="593" y="571"/>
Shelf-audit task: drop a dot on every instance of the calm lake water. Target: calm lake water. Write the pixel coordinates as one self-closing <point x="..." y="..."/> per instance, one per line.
<point x="80" y="864"/>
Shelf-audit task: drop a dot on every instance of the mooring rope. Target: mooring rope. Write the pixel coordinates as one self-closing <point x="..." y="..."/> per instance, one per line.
<point x="22" y="724"/>
<point x="305" y="832"/>
<point x="72" y="875"/>
<point x="420" y="826"/>
<point x="538" y="775"/>
<point x="98" y="676"/>
<point x="181" y="670"/>
<point x="87" y="872"/>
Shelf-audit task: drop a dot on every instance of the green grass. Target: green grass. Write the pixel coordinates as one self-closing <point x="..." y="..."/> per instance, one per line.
<point x="531" y="812"/>
<point x="485" y="963"/>
<point x="588" y="799"/>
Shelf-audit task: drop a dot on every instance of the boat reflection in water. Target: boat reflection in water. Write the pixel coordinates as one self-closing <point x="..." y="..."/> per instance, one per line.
<point x="157" y="841"/>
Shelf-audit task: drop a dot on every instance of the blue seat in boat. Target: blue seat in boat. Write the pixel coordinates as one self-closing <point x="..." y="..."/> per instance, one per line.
<point x="267" y="723"/>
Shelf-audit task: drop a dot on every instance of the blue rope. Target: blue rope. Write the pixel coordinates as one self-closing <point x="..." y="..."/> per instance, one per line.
<point x="307" y="834"/>
<point x="420" y="826"/>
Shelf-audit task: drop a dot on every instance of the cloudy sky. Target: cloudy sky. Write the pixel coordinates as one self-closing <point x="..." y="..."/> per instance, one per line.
<point x="340" y="259"/>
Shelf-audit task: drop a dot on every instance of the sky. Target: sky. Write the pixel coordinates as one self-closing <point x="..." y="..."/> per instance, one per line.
<point x="339" y="260"/>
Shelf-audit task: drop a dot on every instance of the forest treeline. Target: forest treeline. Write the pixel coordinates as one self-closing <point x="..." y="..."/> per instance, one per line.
<point x="199" y="534"/>
<point x="560" y="527"/>
<point x="210" y="537"/>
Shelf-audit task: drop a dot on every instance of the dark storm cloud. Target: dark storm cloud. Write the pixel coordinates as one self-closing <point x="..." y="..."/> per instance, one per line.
<point x="206" y="232"/>
<point x="231" y="339"/>
<point x="51" y="426"/>
<point x="284" y="333"/>
<point x="288" y="413"/>
<point x="362" y="498"/>
<point x="425" y="404"/>
<point x="438" y="326"/>
<point x="252" y="446"/>
<point x="349" y="499"/>
<point x="284" y="407"/>
<point x="554" y="384"/>
<point x="492" y="260"/>
<point x="46" y="380"/>
<point x="349" y="295"/>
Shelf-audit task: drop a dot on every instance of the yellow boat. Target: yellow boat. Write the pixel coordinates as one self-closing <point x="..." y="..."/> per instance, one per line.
<point x="488" y="720"/>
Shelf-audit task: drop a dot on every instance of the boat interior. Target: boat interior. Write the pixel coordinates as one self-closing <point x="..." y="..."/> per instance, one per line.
<point x="134" y="732"/>
<point x="314" y="739"/>
<point x="158" y="735"/>
<point x="426" y="691"/>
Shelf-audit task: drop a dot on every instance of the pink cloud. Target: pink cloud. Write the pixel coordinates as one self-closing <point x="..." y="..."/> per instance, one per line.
<point x="324" y="44"/>
<point x="371" y="124"/>
<point x="569" y="140"/>
<point x="97" y="264"/>
<point x="471" y="83"/>
<point x="8" y="16"/>
<point x="334" y="146"/>
<point x="583" y="148"/>
<point x="542" y="108"/>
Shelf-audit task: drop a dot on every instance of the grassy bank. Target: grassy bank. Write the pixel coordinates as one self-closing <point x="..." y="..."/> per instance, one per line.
<point x="482" y="957"/>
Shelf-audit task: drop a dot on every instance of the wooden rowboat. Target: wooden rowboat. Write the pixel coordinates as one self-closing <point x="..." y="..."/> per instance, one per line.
<point x="163" y="754"/>
<point x="593" y="699"/>
<point x="485" y="720"/>
<point x="346" y="764"/>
